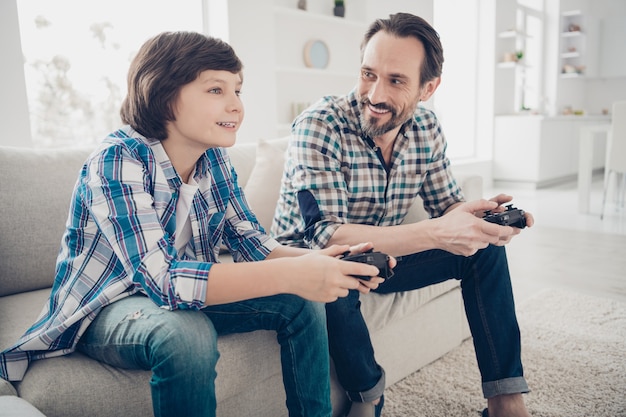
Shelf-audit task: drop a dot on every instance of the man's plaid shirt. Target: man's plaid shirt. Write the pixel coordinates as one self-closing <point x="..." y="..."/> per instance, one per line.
<point x="335" y="175"/>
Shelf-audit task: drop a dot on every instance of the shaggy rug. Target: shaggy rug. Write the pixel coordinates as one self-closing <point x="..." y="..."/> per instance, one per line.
<point x="574" y="355"/>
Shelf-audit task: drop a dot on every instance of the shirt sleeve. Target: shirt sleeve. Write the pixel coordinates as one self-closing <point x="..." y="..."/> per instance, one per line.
<point x="318" y="178"/>
<point x="118" y="189"/>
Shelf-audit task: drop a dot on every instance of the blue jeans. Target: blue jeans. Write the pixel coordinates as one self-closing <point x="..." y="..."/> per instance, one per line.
<point x="489" y="306"/>
<point x="180" y="347"/>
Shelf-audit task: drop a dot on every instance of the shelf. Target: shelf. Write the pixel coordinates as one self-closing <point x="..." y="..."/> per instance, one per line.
<point x="571" y="13"/>
<point x="513" y="37"/>
<point x="571" y="75"/>
<point x="513" y="34"/>
<point x="517" y="65"/>
<point x="296" y="84"/>
<point x="572" y="34"/>
<point x="316" y="72"/>
<point x="572" y="45"/>
<point x="288" y="13"/>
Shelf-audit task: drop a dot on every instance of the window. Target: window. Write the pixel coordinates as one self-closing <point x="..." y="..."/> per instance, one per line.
<point x="75" y="68"/>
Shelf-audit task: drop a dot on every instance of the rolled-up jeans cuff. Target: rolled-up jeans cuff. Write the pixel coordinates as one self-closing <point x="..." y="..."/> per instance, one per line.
<point x="516" y="385"/>
<point x="371" y="394"/>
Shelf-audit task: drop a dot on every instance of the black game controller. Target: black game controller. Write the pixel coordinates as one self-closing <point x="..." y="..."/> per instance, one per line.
<point x="378" y="259"/>
<point x="511" y="217"/>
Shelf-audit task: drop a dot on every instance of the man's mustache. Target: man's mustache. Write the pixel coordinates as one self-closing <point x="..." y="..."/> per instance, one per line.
<point x="379" y="106"/>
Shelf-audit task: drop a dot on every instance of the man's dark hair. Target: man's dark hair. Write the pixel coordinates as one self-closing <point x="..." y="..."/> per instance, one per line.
<point x="404" y="25"/>
<point x="163" y="65"/>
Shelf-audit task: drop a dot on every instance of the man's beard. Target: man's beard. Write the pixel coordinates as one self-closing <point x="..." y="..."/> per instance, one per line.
<point x="370" y="127"/>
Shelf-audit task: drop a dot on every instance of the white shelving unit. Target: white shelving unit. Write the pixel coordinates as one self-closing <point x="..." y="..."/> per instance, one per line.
<point x="270" y="38"/>
<point x="510" y="69"/>
<point x="510" y="42"/>
<point x="298" y="85"/>
<point x="572" y="48"/>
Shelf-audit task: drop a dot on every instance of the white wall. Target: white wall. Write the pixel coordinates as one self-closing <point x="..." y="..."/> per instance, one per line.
<point x="610" y="86"/>
<point x="251" y="35"/>
<point x="14" y="117"/>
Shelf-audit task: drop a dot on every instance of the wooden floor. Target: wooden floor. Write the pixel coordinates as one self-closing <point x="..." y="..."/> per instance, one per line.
<point x="567" y="249"/>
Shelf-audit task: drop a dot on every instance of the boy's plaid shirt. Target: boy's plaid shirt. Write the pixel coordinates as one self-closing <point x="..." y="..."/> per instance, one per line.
<point x="119" y="241"/>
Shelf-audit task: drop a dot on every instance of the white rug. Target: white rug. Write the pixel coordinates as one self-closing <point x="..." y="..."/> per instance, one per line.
<point x="574" y="355"/>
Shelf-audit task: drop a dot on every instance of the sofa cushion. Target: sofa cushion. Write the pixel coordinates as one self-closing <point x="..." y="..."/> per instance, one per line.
<point x="247" y="361"/>
<point x="263" y="186"/>
<point x="379" y="310"/>
<point x="242" y="156"/>
<point x="243" y="366"/>
<point x="6" y="388"/>
<point x="33" y="211"/>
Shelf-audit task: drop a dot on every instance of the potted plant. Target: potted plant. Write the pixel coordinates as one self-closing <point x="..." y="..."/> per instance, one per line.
<point x="339" y="9"/>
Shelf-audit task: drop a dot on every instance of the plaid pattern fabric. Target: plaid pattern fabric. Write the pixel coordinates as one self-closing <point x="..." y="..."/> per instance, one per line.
<point x="119" y="241"/>
<point x="329" y="156"/>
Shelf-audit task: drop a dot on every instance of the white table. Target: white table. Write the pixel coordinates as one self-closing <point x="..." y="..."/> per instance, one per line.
<point x="585" y="162"/>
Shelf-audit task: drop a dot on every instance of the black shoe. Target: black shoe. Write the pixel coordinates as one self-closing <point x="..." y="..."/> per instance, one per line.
<point x="379" y="406"/>
<point x="357" y="409"/>
<point x="485" y="413"/>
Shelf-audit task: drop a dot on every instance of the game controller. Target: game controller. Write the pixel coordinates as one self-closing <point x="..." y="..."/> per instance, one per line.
<point x="378" y="259"/>
<point x="511" y="217"/>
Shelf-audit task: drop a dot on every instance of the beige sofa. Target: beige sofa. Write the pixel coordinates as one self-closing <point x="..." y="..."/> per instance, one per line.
<point x="409" y="330"/>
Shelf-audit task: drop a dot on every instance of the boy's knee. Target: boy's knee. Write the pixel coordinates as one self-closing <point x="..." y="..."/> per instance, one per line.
<point x="315" y="311"/>
<point x="185" y="334"/>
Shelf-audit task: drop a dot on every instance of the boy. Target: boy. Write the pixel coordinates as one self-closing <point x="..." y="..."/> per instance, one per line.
<point x="138" y="283"/>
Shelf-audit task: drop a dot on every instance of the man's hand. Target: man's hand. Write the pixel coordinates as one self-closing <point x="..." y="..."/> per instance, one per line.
<point x="461" y="232"/>
<point x="502" y="199"/>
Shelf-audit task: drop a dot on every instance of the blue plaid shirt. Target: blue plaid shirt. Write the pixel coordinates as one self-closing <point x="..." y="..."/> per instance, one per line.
<point x="334" y="174"/>
<point x="119" y="240"/>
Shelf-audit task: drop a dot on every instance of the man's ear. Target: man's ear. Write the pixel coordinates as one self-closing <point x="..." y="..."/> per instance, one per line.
<point x="429" y="88"/>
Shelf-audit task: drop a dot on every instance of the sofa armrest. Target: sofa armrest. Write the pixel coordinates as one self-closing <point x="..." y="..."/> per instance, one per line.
<point x="6" y="388"/>
<point x="15" y="406"/>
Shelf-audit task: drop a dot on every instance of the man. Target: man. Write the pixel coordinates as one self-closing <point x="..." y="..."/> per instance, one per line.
<point x="356" y="164"/>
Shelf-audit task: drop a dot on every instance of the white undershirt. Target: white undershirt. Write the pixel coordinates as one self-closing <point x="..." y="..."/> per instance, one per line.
<point x="183" y="207"/>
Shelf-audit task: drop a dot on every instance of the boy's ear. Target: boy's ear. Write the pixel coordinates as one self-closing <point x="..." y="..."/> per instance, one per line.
<point x="429" y="88"/>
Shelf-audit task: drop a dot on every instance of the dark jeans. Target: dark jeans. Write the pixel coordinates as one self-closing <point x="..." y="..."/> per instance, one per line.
<point x="489" y="306"/>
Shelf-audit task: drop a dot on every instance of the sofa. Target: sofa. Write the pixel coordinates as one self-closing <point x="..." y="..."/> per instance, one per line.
<point x="409" y="330"/>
